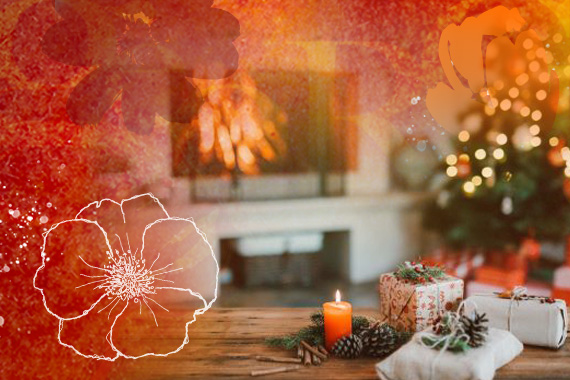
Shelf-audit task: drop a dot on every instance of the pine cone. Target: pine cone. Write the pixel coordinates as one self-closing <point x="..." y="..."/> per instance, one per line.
<point x="360" y="323"/>
<point x="380" y="340"/>
<point x="348" y="347"/>
<point x="475" y="329"/>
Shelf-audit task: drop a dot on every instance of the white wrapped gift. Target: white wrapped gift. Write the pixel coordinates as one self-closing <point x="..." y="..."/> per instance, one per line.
<point x="533" y="320"/>
<point x="415" y="361"/>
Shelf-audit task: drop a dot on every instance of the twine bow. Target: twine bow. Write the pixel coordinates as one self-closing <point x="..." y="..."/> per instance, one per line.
<point x="456" y="333"/>
<point x="517" y="295"/>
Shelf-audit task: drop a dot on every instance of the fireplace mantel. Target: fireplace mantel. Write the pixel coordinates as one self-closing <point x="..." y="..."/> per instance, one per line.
<point x="383" y="229"/>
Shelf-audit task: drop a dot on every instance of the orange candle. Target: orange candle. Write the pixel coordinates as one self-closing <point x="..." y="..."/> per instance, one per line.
<point x="338" y="320"/>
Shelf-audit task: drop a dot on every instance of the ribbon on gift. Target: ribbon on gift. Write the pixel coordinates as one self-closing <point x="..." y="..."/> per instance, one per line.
<point x="516" y="295"/>
<point x="390" y="317"/>
<point x="456" y="332"/>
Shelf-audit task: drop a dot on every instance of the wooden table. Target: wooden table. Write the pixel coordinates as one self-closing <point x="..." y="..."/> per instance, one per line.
<point x="220" y="338"/>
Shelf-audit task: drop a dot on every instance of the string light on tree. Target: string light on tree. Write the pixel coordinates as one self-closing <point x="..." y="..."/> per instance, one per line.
<point x="451" y="171"/>
<point x="528" y="44"/>
<point x="499" y="154"/>
<point x="522" y="79"/>
<point x="535" y="141"/>
<point x="505" y="104"/>
<point x="463" y="136"/>
<point x="469" y="188"/>
<point x="489" y="111"/>
<point x="534" y="130"/>
<point x="534" y="66"/>
<point x="544" y="77"/>
<point x="487" y="172"/>
<point x="502" y="139"/>
<point x="480" y="154"/>
<point x="525" y="111"/>
<point x="451" y="159"/>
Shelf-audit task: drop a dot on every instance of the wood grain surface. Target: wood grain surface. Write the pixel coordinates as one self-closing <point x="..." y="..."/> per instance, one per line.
<point x="224" y="342"/>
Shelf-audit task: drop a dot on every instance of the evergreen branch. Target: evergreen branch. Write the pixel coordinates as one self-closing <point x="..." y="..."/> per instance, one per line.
<point x="315" y="332"/>
<point x="310" y="334"/>
<point x="418" y="272"/>
<point x="455" y="345"/>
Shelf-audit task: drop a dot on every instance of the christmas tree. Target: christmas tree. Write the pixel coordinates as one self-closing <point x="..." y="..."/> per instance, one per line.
<point x="508" y="169"/>
<point x="499" y="193"/>
<point x="508" y="179"/>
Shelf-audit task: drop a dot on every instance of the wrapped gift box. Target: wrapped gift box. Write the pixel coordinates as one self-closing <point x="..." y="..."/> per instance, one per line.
<point x="412" y="307"/>
<point x="534" y="320"/>
<point x="418" y="362"/>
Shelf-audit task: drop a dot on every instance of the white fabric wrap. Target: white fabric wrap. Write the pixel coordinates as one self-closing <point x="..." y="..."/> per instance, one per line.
<point x="532" y="322"/>
<point x="413" y="361"/>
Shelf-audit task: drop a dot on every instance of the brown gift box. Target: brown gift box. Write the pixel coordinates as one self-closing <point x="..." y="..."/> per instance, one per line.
<point x="408" y="306"/>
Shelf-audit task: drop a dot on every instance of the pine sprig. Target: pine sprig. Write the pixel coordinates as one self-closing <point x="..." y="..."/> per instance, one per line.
<point x="315" y="332"/>
<point x="418" y="273"/>
<point x="456" y="344"/>
<point x="311" y="334"/>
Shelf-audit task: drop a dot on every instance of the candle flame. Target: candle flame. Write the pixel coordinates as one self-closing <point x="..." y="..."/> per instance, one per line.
<point x="337" y="296"/>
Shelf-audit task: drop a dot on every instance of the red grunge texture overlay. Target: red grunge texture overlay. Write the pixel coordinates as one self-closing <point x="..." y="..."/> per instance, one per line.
<point x="61" y="151"/>
<point x="144" y="51"/>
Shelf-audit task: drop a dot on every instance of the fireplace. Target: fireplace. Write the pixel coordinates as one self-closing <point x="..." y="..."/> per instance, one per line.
<point x="285" y="258"/>
<point x="270" y="135"/>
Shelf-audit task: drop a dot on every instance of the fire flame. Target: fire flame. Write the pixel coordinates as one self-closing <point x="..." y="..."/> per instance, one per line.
<point x="337" y="296"/>
<point x="237" y="125"/>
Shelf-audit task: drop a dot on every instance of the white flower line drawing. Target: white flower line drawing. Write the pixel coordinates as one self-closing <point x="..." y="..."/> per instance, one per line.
<point x="127" y="278"/>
